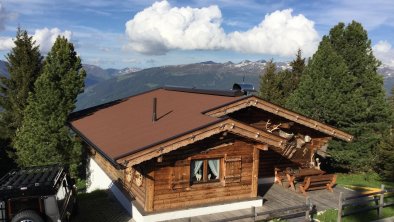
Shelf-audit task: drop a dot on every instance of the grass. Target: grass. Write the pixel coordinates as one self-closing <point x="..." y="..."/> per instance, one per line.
<point x="363" y="182"/>
<point x="81" y="185"/>
<point x="331" y="215"/>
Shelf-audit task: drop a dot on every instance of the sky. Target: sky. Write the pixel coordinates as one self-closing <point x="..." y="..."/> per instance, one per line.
<point x="145" y="33"/>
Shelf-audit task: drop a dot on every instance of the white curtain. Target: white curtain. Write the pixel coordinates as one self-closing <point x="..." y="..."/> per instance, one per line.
<point x="197" y="166"/>
<point x="214" y="167"/>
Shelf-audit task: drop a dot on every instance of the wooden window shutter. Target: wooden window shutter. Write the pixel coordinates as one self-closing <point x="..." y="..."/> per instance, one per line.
<point x="233" y="169"/>
<point x="181" y="175"/>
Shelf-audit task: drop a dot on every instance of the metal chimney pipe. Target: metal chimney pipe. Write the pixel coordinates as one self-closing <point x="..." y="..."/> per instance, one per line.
<point x="154" y="115"/>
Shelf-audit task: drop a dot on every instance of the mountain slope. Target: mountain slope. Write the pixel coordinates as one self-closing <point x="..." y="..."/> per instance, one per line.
<point x="104" y="85"/>
<point x="96" y="74"/>
<point x="200" y="75"/>
<point x="3" y="68"/>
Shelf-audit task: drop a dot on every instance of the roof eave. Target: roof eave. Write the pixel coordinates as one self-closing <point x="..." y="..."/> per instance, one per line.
<point x="95" y="147"/>
<point x="185" y="139"/>
<point x="257" y="102"/>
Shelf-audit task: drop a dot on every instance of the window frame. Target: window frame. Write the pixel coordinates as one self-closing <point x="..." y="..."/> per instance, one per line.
<point x="205" y="167"/>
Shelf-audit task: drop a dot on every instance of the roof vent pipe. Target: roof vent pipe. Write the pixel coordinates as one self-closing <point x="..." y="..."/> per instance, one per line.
<point x="154" y="116"/>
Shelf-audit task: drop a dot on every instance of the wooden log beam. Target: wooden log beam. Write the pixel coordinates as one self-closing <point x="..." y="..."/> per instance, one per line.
<point x="228" y="125"/>
<point x="255" y="171"/>
<point x="277" y="110"/>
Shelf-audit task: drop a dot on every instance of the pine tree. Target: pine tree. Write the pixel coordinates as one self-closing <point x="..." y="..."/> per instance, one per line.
<point x="352" y="43"/>
<point x="269" y="84"/>
<point x="44" y="137"/>
<point x="385" y="153"/>
<point x="297" y="68"/>
<point x="385" y="157"/>
<point x="360" y="107"/>
<point x="291" y="79"/>
<point x="24" y="66"/>
<point x="323" y="91"/>
<point x="371" y="120"/>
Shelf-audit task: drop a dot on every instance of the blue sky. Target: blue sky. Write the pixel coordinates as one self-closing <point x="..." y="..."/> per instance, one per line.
<point x="135" y="33"/>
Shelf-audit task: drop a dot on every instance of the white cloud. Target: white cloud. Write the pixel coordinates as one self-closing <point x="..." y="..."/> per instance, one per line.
<point x="6" y="43"/>
<point x="382" y="47"/>
<point x="161" y="28"/>
<point x="279" y="33"/>
<point x="46" y="37"/>
<point x="384" y="52"/>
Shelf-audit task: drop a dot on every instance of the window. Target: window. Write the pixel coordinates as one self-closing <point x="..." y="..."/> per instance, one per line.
<point x="206" y="170"/>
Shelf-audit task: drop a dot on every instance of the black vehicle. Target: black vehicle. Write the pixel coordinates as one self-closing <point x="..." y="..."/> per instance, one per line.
<point x="37" y="194"/>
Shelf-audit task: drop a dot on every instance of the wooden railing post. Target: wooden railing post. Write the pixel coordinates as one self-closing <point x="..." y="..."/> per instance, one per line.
<point x="307" y="212"/>
<point x="254" y="213"/>
<point x="340" y="207"/>
<point x="381" y="201"/>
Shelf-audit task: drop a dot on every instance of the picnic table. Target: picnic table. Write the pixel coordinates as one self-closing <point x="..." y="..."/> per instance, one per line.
<point x="299" y="174"/>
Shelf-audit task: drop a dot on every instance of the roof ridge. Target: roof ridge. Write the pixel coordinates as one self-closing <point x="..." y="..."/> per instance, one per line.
<point x="217" y="92"/>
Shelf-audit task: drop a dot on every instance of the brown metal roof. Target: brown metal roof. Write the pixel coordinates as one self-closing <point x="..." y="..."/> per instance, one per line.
<point x="126" y="126"/>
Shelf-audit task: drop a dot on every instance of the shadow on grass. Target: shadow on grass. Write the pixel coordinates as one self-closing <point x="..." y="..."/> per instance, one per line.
<point x="101" y="207"/>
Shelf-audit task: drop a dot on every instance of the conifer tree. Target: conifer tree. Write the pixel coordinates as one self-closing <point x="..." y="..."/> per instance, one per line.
<point x="290" y="79"/>
<point x="352" y="43"/>
<point x="385" y="153"/>
<point x="323" y="92"/>
<point x="372" y="119"/>
<point x="276" y="86"/>
<point x="43" y="137"/>
<point x="360" y="107"/>
<point x="385" y="157"/>
<point x="269" y="84"/>
<point x="297" y="68"/>
<point x="24" y="66"/>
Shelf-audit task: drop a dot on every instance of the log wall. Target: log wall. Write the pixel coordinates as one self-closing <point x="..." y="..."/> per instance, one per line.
<point x="172" y="186"/>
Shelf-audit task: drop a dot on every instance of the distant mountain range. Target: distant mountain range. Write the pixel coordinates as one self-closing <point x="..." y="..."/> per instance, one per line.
<point x="104" y="85"/>
<point x="96" y="74"/>
<point x="204" y="75"/>
<point x="3" y="68"/>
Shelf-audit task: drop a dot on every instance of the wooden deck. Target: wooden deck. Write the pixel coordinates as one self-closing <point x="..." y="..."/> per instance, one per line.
<point x="277" y="197"/>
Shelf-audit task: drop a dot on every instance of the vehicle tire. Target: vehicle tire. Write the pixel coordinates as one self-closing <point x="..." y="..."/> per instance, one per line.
<point x="27" y="216"/>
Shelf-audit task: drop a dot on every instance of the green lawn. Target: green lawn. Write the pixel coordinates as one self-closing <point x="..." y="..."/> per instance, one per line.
<point x="331" y="215"/>
<point x="359" y="181"/>
<point x="362" y="180"/>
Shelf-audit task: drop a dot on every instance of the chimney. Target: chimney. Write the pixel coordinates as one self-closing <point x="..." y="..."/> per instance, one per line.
<point x="154" y="117"/>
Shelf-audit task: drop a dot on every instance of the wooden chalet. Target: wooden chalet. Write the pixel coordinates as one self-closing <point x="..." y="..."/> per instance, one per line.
<point x="174" y="151"/>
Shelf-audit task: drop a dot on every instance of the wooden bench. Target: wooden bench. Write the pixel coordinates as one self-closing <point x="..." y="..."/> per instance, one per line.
<point x="281" y="174"/>
<point x="318" y="182"/>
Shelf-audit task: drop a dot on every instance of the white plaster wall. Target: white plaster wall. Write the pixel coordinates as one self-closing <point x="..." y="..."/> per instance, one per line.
<point x="98" y="179"/>
<point x="195" y="211"/>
